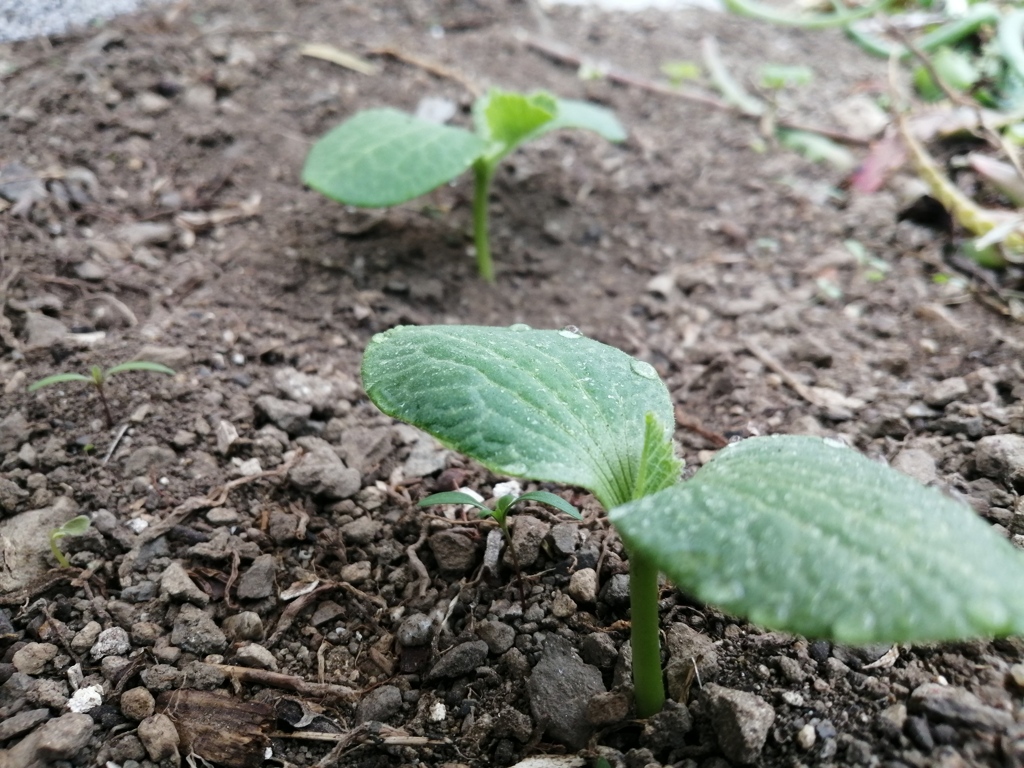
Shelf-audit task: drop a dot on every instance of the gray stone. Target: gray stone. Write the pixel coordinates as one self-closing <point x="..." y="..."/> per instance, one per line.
<point x="917" y="464"/>
<point x="288" y="415"/>
<point x="325" y="612"/>
<point x="151" y="458"/>
<point x="564" y="537"/>
<point x="608" y="707"/>
<point x="511" y="722"/>
<point x="42" y="331"/>
<point x="11" y="495"/>
<point x="741" y="721"/>
<point x="559" y="688"/>
<point x="195" y="632"/>
<point x="527" y="535"/>
<point x="23" y="557"/>
<point x="322" y="473"/>
<point x="356" y="573"/>
<point x="246" y="625"/>
<point x="687" y="645"/>
<point x="255" y="656"/>
<point x="615" y="592"/>
<point x="258" y="581"/>
<point x="361" y="531"/>
<point x="111" y="642"/>
<point x="22" y="722"/>
<point x="946" y="391"/>
<point x="379" y="704"/>
<point x="363" y="448"/>
<point x="159" y="737"/>
<point x="454" y="552"/>
<point x="600" y="650"/>
<point x="957" y="706"/>
<point x="583" y="586"/>
<point x="176" y="584"/>
<point x="137" y="704"/>
<point x="64" y="737"/>
<point x="32" y="658"/>
<point x="460" y="660"/>
<point x="1001" y="457"/>
<point x="162" y="677"/>
<point x="426" y="457"/>
<point x="321" y="394"/>
<point x="415" y="630"/>
<point x="667" y="730"/>
<point x="14" y="431"/>
<point x="498" y="636"/>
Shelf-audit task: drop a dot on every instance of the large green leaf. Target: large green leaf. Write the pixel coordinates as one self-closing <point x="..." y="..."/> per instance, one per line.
<point x="383" y="157"/>
<point x="549" y="405"/>
<point x="805" y="535"/>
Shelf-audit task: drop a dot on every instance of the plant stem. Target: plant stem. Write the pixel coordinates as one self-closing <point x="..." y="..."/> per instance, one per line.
<point x="106" y="407"/>
<point x="515" y="560"/>
<point x="483" y="172"/>
<point x="649" y="688"/>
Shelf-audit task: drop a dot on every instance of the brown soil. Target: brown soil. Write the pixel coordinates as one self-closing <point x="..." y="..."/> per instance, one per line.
<point x="695" y="246"/>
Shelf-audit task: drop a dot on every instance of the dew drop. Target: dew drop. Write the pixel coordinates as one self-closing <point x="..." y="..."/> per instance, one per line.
<point x="570" y="332"/>
<point x="378" y="338"/>
<point x="519" y="327"/>
<point x="640" y="368"/>
<point x="834" y="442"/>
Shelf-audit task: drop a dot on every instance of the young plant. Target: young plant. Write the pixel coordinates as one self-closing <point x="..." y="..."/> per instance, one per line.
<point x="800" y="534"/>
<point x="382" y="157"/>
<point x="502" y="508"/>
<point x="98" y="378"/>
<point x="76" y="526"/>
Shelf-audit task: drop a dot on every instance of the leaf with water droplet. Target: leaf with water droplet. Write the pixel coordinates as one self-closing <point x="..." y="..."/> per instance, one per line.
<point x="525" y="402"/>
<point x="799" y="535"/>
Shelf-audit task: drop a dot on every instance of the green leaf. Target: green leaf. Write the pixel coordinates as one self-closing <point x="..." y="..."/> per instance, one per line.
<point x="817" y="148"/>
<point x="548" y="405"/>
<point x="452" y="497"/>
<point x="784" y="75"/>
<point x="383" y="157"/>
<point x="804" y="535"/>
<point x="139" y="365"/>
<point x="76" y="526"/>
<point x="543" y="497"/>
<point x="57" y="378"/>
<point x="507" y="119"/>
<point x="659" y="467"/>
<point x="589" y="117"/>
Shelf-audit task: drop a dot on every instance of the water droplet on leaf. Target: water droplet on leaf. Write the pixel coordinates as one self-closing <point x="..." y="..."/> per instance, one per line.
<point x="570" y="332"/>
<point x="378" y="338"/>
<point x="640" y="368"/>
<point x="519" y="327"/>
<point x="834" y="442"/>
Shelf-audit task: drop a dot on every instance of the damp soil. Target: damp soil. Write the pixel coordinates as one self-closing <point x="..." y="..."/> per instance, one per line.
<point x="162" y="217"/>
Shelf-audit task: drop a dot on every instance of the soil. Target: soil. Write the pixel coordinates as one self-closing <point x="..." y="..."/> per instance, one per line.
<point x="163" y="219"/>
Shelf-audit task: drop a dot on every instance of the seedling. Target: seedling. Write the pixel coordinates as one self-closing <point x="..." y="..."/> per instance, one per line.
<point x="98" y="378"/>
<point x="502" y="507"/>
<point x="76" y="526"/>
<point x="800" y="534"/>
<point x="382" y="157"/>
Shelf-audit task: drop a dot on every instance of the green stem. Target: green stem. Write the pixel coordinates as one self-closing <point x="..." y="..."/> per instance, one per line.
<point x="804" y="20"/>
<point x="649" y="689"/>
<point x="482" y="173"/>
<point x="1011" y="30"/>
<point x="57" y="554"/>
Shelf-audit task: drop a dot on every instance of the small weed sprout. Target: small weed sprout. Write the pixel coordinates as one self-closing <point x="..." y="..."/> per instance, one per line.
<point x="382" y="157"/>
<point x="502" y="508"/>
<point x="98" y="378"/>
<point x="799" y="534"/>
<point x="76" y="526"/>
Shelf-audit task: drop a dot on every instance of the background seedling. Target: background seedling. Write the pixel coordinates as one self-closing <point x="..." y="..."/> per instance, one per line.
<point x="76" y="526"/>
<point x="502" y="508"/>
<point x="98" y="378"/>
<point x="799" y="534"/>
<point x="383" y="157"/>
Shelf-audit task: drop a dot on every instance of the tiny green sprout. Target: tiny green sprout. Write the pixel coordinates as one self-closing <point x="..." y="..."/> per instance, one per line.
<point x="383" y="157"/>
<point x="98" y="378"/>
<point x="76" y="526"/>
<point x="678" y="72"/>
<point x="795" y="533"/>
<point x="778" y="76"/>
<point x="502" y="507"/>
